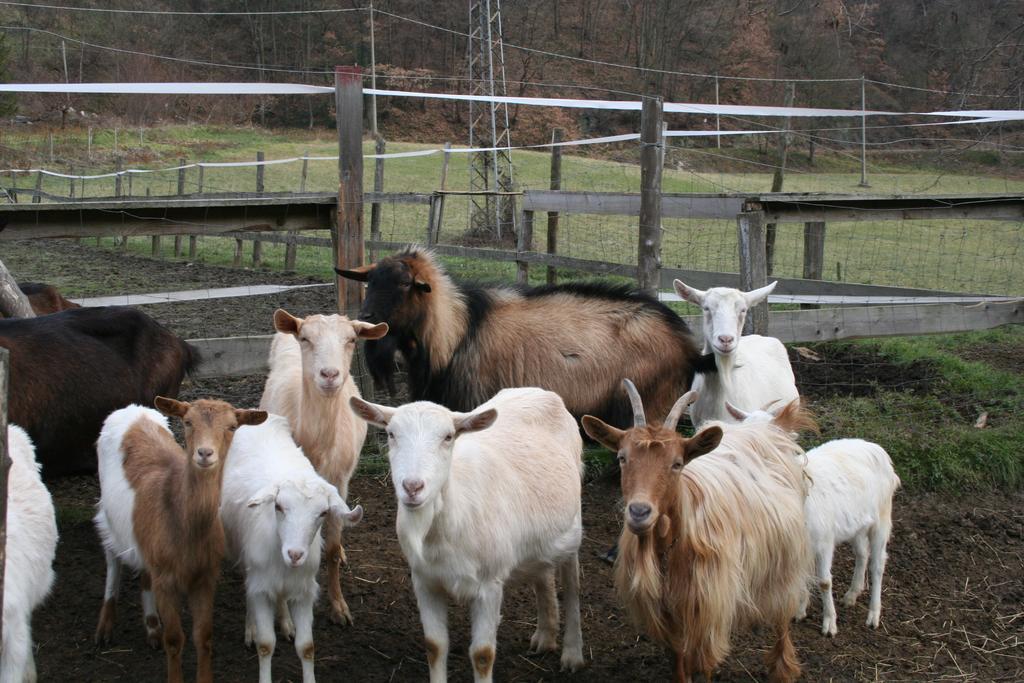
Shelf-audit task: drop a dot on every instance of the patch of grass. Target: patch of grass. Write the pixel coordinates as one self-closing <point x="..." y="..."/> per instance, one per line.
<point x="932" y="438"/>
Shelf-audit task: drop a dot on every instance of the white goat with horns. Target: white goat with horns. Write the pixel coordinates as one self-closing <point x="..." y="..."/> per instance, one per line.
<point x="751" y="371"/>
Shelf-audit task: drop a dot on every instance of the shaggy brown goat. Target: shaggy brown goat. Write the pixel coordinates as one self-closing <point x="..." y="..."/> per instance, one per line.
<point x="709" y="543"/>
<point x="462" y="344"/>
<point x="159" y="512"/>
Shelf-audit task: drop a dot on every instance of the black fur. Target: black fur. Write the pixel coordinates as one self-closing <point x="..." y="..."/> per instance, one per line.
<point x="69" y="370"/>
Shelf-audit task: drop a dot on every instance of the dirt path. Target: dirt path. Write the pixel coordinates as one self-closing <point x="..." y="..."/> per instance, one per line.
<point x="951" y="607"/>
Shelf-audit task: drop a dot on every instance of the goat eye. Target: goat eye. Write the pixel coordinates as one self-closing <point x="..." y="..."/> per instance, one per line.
<point x="232" y="428"/>
<point x="324" y="513"/>
<point x="677" y="466"/>
<point x="391" y="435"/>
<point x="622" y="459"/>
<point x="188" y="423"/>
<point x="448" y="438"/>
<point x="304" y="340"/>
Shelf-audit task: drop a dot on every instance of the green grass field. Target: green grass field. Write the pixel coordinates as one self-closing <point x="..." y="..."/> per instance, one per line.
<point x="930" y="434"/>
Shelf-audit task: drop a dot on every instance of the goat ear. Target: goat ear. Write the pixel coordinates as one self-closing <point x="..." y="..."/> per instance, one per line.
<point x="738" y="414"/>
<point x="703" y="442"/>
<point x="421" y="285"/>
<point x="171" y="407"/>
<point x="475" y="422"/>
<point x="286" y="322"/>
<point x="264" y="495"/>
<point x="694" y="296"/>
<point x="756" y="296"/>
<point x="366" y="330"/>
<point x="359" y="273"/>
<point x="341" y="511"/>
<point x="377" y="415"/>
<point x="251" y="417"/>
<point x="604" y="434"/>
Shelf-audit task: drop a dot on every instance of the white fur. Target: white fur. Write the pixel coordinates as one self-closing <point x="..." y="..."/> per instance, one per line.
<point x="753" y="371"/>
<point x="850" y="501"/>
<point x="273" y="503"/>
<point x="113" y="518"/>
<point x="31" y="546"/>
<point x="497" y="501"/>
<point x="317" y="409"/>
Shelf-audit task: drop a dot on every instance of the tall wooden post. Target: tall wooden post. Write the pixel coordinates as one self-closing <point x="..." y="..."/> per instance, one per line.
<point x="556" y="184"/>
<point x="648" y="258"/>
<point x="753" y="265"/>
<point x="192" y="239"/>
<point x="5" y="468"/>
<point x="38" y="197"/>
<point x="785" y="138"/>
<point x="348" y="252"/>
<point x="378" y="187"/>
<point x="439" y="221"/>
<point x="348" y="231"/>
<point x="257" y="246"/>
<point x="181" y="191"/>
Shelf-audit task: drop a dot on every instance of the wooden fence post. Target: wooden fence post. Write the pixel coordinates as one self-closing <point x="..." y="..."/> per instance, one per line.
<point x="753" y="265"/>
<point x="117" y="178"/>
<point x="524" y="243"/>
<point x="348" y="95"/>
<point x="652" y="140"/>
<point x="378" y="187"/>
<point x="439" y="219"/>
<point x="181" y="191"/>
<point x="192" y="239"/>
<point x="556" y="184"/>
<point x="257" y="246"/>
<point x="290" y="249"/>
<point x="785" y="139"/>
<point x="348" y="233"/>
<point x="5" y="468"/>
<point x="37" y="197"/>
<point x="71" y="182"/>
<point x="814" y="253"/>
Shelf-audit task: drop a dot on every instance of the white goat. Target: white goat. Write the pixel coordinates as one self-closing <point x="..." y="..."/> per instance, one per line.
<point x="750" y="374"/>
<point x="480" y="507"/>
<point x="310" y="384"/>
<point x="31" y="546"/>
<point x="272" y="506"/>
<point x="852" y="483"/>
<point x="850" y="501"/>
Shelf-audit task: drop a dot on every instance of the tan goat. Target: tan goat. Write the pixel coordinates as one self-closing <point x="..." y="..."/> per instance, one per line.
<point x="709" y="543"/>
<point x="309" y="383"/>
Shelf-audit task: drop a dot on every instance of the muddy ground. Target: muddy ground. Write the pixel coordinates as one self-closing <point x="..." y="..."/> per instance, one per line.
<point x="953" y="598"/>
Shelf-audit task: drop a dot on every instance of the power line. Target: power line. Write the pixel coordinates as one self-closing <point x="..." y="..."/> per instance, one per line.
<point x="67" y="8"/>
<point x="196" y="62"/>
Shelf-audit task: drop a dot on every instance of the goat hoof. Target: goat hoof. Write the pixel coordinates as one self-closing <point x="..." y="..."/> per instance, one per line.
<point x="103" y="636"/>
<point x="542" y="642"/>
<point x="610" y="555"/>
<point x="572" y="661"/>
<point x="155" y="640"/>
<point x="342" y="617"/>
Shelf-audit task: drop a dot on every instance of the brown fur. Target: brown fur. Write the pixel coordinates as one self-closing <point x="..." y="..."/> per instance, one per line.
<point x="795" y="417"/>
<point x="483" y="660"/>
<point x="177" y="520"/>
<point x="433" y="652"/>
<point x="44" y="299"/>
<point x="463" y="345"/>
<point x="723" y="546"/>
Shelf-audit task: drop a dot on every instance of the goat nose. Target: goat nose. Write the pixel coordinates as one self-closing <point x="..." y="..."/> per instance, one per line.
<point x="412" y="486"/>
<point x="204" y="453"/>
<point x="330" y="373"/>
<point x="296" y="556"/>
<point x="639" y="511"/>
<point x="726" y="338"/>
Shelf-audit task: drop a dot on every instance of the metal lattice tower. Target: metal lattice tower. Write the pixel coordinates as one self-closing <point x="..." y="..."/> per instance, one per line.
<point x="490" y="215"/>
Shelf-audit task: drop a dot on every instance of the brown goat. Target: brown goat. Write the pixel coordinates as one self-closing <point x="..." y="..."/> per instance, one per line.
<point x="462" y="343"/>
<point x="159" y="512"/>
<point x="709" y="543"/>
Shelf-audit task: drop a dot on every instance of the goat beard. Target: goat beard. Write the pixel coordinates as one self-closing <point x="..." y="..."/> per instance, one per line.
<point x="639" y="580"/>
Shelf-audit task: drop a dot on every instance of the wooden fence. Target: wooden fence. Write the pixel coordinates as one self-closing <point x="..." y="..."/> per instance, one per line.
<point x="279" y="218"/>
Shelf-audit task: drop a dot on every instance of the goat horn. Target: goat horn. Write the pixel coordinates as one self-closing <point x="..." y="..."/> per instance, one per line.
<point x="639" y="419"/>
<point x="681" y="404"/>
